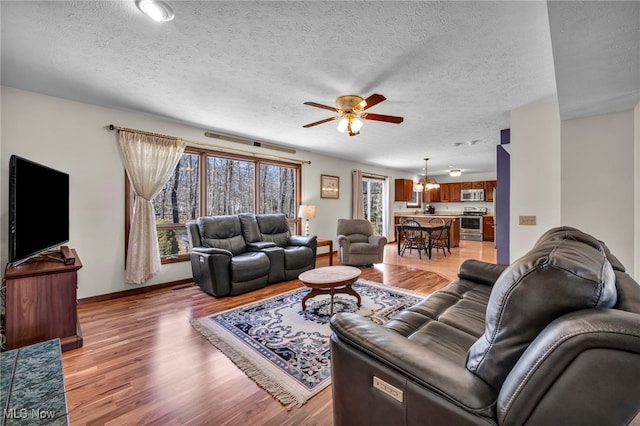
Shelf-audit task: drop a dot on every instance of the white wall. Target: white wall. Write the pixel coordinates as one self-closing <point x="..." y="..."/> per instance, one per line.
<point x="71" y="137"/>
<point x="535" y="174"/>
<point x="597" y="186"/>
<point x="636" y="208"/>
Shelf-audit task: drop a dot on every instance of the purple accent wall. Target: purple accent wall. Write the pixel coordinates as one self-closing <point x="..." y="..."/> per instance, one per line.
<point x="503" y="162"/>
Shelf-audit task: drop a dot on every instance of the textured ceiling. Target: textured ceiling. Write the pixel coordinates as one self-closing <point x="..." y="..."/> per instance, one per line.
<point x="454" y="70"/>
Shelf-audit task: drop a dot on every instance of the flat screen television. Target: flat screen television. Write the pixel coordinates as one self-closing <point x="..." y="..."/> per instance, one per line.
<point x="38" y="209"/>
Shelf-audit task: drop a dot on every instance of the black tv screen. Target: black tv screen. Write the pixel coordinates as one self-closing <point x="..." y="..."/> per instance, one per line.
<point x="38" y="208"/>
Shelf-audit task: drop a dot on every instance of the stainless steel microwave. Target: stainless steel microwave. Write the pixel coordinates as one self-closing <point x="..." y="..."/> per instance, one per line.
<point x="472" y="195"/>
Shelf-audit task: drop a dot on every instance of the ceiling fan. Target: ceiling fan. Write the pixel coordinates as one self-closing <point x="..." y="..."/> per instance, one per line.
<point x="352" y="111"/>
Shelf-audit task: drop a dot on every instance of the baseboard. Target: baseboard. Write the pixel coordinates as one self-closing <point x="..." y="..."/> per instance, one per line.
<point x="132" y="292"/>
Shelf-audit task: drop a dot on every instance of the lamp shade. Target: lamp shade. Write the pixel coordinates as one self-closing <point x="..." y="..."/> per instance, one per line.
<point x="306" y="211"/>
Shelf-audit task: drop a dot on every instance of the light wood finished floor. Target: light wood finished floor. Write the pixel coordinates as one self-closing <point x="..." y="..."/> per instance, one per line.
<point x="143" y="363"/>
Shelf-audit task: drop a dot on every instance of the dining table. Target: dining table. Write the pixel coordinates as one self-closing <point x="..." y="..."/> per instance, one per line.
<point x="426" y="227"/>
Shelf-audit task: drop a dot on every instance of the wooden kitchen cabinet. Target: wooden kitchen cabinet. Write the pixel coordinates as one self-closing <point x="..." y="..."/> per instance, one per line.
<point x="404" y="190"/>
<point x="472" y="185"/>
<point x="454" y="191"/>
<point x="432" y="195"/>
<point x="444" y="192"/>
<point x="488" y="228"/>
<point x="489" y="186"/>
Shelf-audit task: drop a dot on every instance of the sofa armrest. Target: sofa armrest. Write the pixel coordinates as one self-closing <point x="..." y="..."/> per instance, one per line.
<point x="377" y="240"/>
<point x="301" y="240"/>
<point x="480" y="272"/>
<point x="343" y="241"/>
<point x="211" y="250"/>
<point x="421" y="364"/>
<point x="260" y="245"/>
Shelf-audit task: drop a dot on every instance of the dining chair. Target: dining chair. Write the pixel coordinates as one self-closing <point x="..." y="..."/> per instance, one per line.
<point x="440" y="236"/>
<point x="413" y="237"/>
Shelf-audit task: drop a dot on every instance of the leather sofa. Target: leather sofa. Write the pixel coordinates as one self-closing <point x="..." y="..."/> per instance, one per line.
<point x="356" y="243"/>
<point x="552" y="339"/>
<point x="235" y="254"/>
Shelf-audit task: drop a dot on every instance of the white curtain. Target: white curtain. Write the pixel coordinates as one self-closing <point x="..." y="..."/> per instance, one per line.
<point x="150" y="162"/>
<point x="389" y="220"/>
<point x="357" y="209"/>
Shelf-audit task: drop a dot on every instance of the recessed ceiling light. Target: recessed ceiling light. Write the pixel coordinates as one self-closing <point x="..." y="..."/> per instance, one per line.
<point x="156" y="10"/>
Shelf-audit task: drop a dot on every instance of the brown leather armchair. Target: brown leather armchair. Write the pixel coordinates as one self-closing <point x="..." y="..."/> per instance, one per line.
<point x="552" y="339"/>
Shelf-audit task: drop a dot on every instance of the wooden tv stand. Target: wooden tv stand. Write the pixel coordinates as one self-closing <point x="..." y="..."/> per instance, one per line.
<point x="41" y="303"/>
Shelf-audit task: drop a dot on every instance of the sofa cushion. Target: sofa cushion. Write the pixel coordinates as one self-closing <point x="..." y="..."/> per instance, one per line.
<point x="460" y="305"/>
<point x="249" y="266"/>
<point x="250" y="230"/>
<point x="274" y="228"/>
<point x="297" y="257"/>
<point x="567" y="270"/>
<point x="362" y="247"/>
<point x="222" y="232"/>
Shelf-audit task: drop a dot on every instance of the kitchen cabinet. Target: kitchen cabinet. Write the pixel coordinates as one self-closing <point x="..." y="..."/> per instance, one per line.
<point x="472" y="185"/>
<point x="404" y="190"/>
<point x="432" y="195"/>
<point x="454" y="192"/>
<point x="489" y="186"/>
<point x="450" y="192"/>
<point x="444" y="192"/>
<point x="488" y="228"/>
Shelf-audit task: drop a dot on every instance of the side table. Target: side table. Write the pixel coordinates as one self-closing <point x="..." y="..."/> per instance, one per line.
<point x="322" y="243"/>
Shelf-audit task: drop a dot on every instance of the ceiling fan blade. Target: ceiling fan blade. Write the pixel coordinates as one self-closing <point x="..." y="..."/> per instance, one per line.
<point x="373" y="100"/>
<point x="314" y="104"/>
<point x="326" y="120"/>
<point x="385" y="118"/>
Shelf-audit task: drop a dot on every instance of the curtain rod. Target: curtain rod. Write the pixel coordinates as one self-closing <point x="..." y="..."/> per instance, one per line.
<point x="374" y="174"/>
<point x="204" y="144"/>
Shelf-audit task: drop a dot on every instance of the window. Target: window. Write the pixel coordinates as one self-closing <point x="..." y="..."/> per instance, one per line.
<point x="277" y="190"/>
<point x="230" y="185"/>
<point x="373" y="198"/>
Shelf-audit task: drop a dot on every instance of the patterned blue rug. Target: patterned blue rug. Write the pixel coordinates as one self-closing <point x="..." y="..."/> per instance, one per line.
<point x="284" y="349"/>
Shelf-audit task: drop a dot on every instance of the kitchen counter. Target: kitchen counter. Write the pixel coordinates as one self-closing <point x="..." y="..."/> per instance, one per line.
<point x="421" y="214"/>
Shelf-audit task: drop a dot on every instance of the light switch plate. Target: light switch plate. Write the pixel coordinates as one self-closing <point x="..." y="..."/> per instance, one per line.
<point x="527" y="220"/>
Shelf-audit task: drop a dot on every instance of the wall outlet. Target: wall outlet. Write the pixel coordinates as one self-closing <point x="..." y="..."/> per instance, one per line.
<point x="527" y="220"/>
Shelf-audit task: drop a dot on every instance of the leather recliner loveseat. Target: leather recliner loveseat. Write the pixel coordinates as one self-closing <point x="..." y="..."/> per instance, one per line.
<point x="552" y="339"/>
<point x="234" y="254"/>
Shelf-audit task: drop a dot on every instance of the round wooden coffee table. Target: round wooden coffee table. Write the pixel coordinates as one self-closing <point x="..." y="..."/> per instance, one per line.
<point x="330" y="280"/>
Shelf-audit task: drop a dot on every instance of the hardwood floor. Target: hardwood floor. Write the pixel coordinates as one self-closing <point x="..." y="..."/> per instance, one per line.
<point x="143" y="363"/>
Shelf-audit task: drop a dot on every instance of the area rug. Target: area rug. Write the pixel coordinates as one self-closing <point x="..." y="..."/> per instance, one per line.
<point x="284" y="349"/>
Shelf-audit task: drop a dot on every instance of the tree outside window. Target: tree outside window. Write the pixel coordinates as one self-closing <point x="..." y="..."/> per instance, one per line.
<point x="230" y="185"/>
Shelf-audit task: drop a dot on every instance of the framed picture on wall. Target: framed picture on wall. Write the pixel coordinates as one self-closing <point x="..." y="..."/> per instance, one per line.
<point x="329" y="186"/>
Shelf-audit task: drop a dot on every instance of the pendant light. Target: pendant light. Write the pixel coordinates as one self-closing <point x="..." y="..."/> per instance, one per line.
<point x="426" y="184"/>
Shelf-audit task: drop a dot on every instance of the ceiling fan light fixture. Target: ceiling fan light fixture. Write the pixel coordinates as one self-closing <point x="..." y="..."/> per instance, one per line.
<point x="350" y="123"/>
<point x="351" y="110"/>
<point x="157" y="10"/>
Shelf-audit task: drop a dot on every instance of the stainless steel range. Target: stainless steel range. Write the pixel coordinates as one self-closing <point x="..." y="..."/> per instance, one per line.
<point x="471" y="223"/>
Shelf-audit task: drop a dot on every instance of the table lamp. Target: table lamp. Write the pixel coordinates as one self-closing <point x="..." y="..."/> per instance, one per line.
<point x="306" y="212"/>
